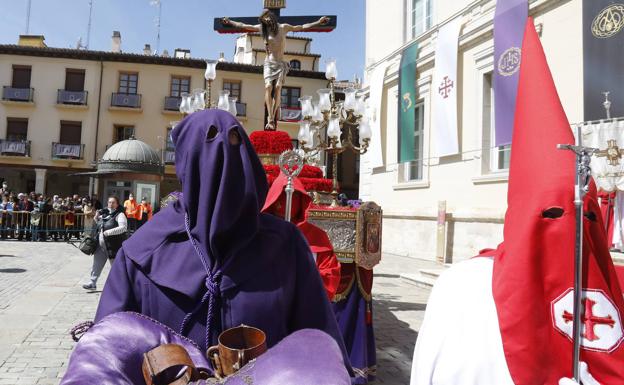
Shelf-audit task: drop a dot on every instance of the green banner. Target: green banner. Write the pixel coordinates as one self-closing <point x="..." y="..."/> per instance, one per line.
<point x="407" y="103"/>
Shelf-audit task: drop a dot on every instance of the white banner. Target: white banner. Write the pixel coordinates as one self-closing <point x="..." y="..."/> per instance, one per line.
<point x="444" y="128"/>
<point x="376" y="84"/>
<point x="13" y="147"/>
<point x="608" y="172"/>
<point x="67" y="150"/>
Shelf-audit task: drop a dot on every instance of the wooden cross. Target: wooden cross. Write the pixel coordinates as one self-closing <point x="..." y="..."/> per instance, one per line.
<point x="276" y="6"/>
<point x="613" y="153"/>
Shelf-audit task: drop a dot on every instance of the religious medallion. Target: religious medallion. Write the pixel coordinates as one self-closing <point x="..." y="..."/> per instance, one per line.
<point x="609" y="21"/>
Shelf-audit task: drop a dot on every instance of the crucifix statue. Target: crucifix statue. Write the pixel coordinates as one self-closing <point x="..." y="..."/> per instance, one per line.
<point x="274" y="30"/>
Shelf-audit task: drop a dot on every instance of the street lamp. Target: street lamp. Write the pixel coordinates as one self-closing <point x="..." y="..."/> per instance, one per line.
<point x="341" y="120"/>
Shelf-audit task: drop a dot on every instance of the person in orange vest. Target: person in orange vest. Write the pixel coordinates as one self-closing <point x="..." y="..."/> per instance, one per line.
<point x="132" y="212"/>
<point x="145" y="211"/>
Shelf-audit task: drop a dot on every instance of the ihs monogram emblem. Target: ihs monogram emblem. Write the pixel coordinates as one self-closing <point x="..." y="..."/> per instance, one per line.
<point x="509" y="61"/>
<point x="609" y="21"/>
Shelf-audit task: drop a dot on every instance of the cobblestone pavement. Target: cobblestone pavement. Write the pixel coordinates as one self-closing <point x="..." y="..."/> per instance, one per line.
<point x="41" y="298"/>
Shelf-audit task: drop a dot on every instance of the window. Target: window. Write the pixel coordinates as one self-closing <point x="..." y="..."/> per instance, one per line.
<point x="17" y="129"/>
<point x="414" y="169"/>
<point x="128" y="83"/>
<point x="74" y="80"/>
<point x="234" y="87"/>
<point x="21" y="76"/>
<point x="496" y="158"/>
<point x="71" y="132"/>
<point x="169" y="140"/>
<point x="179" y="85"/>
<point x="419" y="17"/>
<point x="123" y="133"/>
<point x="290" y="97"/>
<point x="295" y="64"/>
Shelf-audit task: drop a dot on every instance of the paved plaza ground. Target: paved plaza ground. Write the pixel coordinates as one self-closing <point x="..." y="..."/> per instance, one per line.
<point x="41" y="298"/>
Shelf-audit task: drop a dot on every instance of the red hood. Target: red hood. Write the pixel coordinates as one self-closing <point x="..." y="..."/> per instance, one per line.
<point x="534" y="267"/>
<point x="276" y="199"/>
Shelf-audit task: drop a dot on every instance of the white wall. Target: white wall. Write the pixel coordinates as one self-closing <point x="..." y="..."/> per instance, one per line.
<point x="475" y="195"/>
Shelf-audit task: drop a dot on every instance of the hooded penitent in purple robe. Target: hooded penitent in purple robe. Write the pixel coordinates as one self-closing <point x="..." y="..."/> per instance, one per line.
<point x="238" y="266"/>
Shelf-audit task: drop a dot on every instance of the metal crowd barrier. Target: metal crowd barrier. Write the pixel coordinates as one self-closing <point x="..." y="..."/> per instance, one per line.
<point x="54" y="225"/>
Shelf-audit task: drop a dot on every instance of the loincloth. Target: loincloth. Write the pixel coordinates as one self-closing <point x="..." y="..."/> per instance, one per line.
<point x="275" y="70"/>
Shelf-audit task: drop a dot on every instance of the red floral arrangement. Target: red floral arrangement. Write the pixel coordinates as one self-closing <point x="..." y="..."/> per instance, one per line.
<point x="270" y="142"/>
<point x="307" y="171"/>
<point x="310" y="184"/>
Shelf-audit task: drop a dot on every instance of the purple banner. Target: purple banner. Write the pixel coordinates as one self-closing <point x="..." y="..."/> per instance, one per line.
<point x="509" y="24"/>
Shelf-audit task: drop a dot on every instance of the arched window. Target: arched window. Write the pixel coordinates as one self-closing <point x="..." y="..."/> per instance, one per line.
<point x="295" y="64"/>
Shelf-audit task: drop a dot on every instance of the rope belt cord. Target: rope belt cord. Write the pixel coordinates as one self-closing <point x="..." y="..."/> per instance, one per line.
<point x="212" y="288"/>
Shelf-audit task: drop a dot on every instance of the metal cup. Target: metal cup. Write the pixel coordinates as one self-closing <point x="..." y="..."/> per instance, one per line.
<point x="237" y="346"/>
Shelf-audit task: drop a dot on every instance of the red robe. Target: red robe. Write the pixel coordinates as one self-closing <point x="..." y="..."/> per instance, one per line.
<point x="319" y="242"/>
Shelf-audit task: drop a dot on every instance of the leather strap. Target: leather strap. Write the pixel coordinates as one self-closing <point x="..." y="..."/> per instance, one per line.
<point x="164" y="357"/>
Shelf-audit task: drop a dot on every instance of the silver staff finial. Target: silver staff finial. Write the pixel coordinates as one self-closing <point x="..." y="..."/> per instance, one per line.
<point x="291" y="164"/>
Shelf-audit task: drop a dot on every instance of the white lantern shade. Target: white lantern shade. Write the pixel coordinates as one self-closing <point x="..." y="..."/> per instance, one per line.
<point x="211" y="70"/>
<point x="185" y="103"/>
<point x="360" y="106"/>
<point x="317" y="115"/>
<point x="350" y="102"/>
<point x="324" y="100"/>
<point x="199" y="101"/>
<point x="331" y="71"/>
<point x="224" y="101"/>
<point x="232" y="106"/>
<point x="306" y="106"/>
<point x="333" y="129"/>
<point x="304" y="132"/>
<point x="365" y="130"/>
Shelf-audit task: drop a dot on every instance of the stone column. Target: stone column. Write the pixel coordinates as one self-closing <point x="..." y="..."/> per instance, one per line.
<point x="40" y="180"/>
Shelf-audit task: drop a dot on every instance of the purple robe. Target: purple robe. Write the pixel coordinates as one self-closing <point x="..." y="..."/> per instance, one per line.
<point x="260" y="270"/>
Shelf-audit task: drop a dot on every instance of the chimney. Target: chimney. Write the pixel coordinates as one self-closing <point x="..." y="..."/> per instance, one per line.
<point x="32" y="41"/>
<point x="116" y="42"/>
<point x="147" y="50"/>
<point x="222" y="57"/>
<point x="165" y="53"/>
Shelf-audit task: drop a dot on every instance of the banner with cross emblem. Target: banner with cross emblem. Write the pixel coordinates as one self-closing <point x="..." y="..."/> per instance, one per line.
<point x="444" y="128"/>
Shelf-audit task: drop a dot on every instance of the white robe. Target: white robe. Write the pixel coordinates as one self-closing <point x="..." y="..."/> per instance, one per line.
<point x="459" y="342"/>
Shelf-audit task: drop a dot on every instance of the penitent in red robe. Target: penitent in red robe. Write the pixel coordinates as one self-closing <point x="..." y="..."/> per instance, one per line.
<point x="319" y="242"/>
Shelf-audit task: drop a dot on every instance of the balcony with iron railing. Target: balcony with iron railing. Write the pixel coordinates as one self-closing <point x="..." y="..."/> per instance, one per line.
<point x="62" y="151"/>
<point x="78" y="98"/>
<point x="14" y="94"/>
<point x="126" y="100"/>
<point x="19" y="148"/>
<point x="172" y="103"/>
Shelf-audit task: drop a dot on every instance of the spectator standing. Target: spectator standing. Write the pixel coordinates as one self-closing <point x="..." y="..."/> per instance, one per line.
<point x="6" y="206"/>
<point x="112" y="226"/>
<point x="5" y="187"/>
<point x="35" y="224"/>
<point x="70" y="220"/>
<point x="97" y="205"/>
<point x="89" y="213"/>
<point x="145" y="211"/>
<point x="24" y="207"/>
<point x="132" y="212"/>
